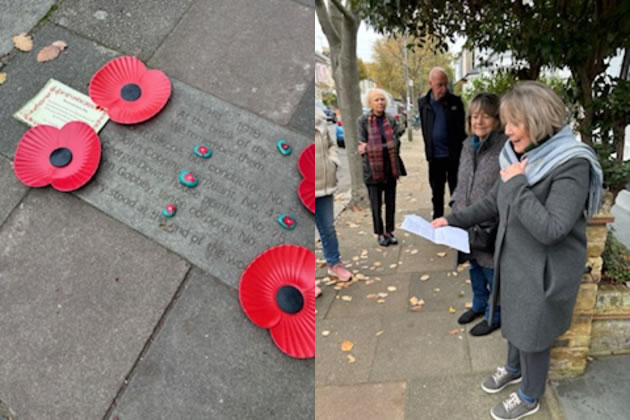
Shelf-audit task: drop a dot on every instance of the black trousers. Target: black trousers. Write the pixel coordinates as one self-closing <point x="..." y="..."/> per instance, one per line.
<point x="534" y="368"/>
<point x="376" y="192"/>
<point x="440" y="171"/>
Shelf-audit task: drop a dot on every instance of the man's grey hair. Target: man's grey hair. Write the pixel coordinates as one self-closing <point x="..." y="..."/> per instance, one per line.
<point x="435" y="70"/>
<point x="537" y="107"/>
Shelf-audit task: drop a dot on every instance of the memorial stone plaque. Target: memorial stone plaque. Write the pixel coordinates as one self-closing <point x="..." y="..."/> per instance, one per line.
<point x="230" y="217"/>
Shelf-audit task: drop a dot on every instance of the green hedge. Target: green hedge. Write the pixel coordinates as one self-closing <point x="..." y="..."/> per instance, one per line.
<point x="616" y="260"/>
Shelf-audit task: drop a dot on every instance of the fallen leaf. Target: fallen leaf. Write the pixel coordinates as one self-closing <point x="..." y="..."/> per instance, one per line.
<point x="425" y="277"/>
<point x="417" y="308"/>
<point x="368" y="282"/>
<point x="391" y="288"/>
<point x="437" y="289"/>
<point x="3" y="77"/>
<point x="392" y="266"/>
<point x="60" y="44"/>
<point x="448" y="274"/>
<point x="467" y="281"/>
<point x="453" y="332"/>
<point x="372" y="296"/>
<point x="360" y="276"/>
<point x="23" y="42"/>
<point x="351" y="359"/>
<point x="347" y="345"/>
<point x="380" y="301"/>
<point x="325" y="333"/>
<point x="377" y="264"/>
<point x="337" y="288"/>
<point x="48" y="53"/>
<point x="460" y="268"/>
<point x="364" y="252"/>
<point x="355" y="258"/>
<point x="379" y="333"/>
<point x="461" y="293"/>
<point x="406" y="235"/>
<point x="441" y="254"/>
<point x="421" y="302"/>
<point x="468" y="305"/>
<point x="413" y="301"/>
<point x="455" y="273"/>
<point x="361" y="233"/>
<point x="383" y="295"/>
<point x="451" y="310"/>
<point x="346" y="298"/>
<point x="352" y="225"/>
<point x="414" y="251"/>
<point x="377" y="278"/>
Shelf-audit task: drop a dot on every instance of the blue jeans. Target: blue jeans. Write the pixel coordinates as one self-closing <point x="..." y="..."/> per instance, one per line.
<point x="325" y="222"/>
<point x="481" y="279"/>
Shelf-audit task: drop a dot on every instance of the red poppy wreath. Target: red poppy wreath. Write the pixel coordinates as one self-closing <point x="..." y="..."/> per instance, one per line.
<point x="128" y="91"/>
<point x="277" y="291"/>
<point x="66" y="158"/>
<point x="306" y="189"/>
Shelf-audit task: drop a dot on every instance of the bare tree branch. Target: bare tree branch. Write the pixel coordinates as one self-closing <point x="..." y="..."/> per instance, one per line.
<point x="324" y="19"/>
<point x="347" y="13"/>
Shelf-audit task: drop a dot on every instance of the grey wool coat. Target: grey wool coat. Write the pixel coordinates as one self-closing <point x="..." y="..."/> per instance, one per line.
<point x="539" y="253"/>
<point x="362" y="130"/>
<point x="477" y="174"/>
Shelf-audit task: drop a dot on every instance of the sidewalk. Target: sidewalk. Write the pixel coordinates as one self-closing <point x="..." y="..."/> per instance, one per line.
<point x="404" y="364"/>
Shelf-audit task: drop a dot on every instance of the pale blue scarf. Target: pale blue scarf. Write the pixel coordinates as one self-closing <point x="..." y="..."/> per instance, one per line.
<point x="554" y="152"/>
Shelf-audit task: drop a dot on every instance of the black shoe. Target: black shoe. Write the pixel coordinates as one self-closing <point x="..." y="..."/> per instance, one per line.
<point x="483" y="328"/>
<point x="469" y="316"/>
<point x="383" y="240"/>
<point x="391" y="238"/>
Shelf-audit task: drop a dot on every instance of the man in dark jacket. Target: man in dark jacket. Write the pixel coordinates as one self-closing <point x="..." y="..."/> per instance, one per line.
<point x="442" y="118"/>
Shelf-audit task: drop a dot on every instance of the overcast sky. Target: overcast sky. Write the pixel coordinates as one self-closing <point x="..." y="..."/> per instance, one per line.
<point x="365" y="38"/>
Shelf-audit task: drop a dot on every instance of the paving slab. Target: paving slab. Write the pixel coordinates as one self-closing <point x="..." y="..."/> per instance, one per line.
<point x="310" y="3"/>
<point x="80" y="296"/>
<point x="18" y="17"/>
<point x="130" y="27"/>
<point x="303" y="119"/>
<point x="487" y="352"/>
<point x="332" y="366"/>
<point x="259" y="58"/>
<point x="74" y="67"/>
<point x="361" y="305"/>
<point x="323" y="303"/>
<point x="368" y="402"/>
<point x="602" y="393"/>
<point x="408" y="343"/>
<point x="453" y="291"/>
<point x="210" y="362"/>
<point x="12" y="189"/>
<point x="457" y="397"/>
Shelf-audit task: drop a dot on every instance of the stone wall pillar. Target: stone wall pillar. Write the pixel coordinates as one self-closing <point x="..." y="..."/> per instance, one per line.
<point x="569" y="352"/>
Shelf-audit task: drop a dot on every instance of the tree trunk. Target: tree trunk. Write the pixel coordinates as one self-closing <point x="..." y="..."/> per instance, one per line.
<point x="343" y="57"/>
<point x="585" y="92"/>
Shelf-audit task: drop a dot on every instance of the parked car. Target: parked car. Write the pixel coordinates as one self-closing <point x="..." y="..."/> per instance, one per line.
<point x="340" y="139"/>
<point x="331" y="117"/>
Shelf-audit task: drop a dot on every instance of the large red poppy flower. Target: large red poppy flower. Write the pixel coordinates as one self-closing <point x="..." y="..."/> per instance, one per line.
<point x="128" y="91"/>
<point x="67" y="158"/>
<point x="306" y="189"/>
<point x="277" y="291"/>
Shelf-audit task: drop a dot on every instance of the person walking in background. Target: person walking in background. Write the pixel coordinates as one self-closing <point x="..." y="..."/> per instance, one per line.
<point x="379" y="144"/>
<point x="478" y="172"/>
<point x="550" y="185"/>
<point x="326" y="163"/>
<point x="442" y="119"/>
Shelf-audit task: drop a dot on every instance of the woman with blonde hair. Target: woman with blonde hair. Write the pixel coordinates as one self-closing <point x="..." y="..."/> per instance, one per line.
<point x="550" y="185"/>
<point x="379" y="144"/>
<point x="477" y="174"/>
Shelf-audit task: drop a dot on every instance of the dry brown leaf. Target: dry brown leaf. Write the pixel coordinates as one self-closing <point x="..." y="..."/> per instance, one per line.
<point x="325" y="333"/>
<point x="368" y="282"/>
<point x="377" y="264"/>
<point x="346" y="298"/>
<point x="347" y="345"/>
<point x="355" y="258"/>
<point x="392" y="266"/>
<point x="352" y="225"/>
<point x="3" y="77"/>
<point x="48" y="53"/>
<point x="454" y="332"/>
<point x="360" y="276"/>
<point x="379" y="333"/>
<point x="391" y="288"/>
<point x="451" y="310"/>
<point x="372" y="296"/>
<point x="383" y="295"/>
<point x="23" y="42"/>
<point x="417" y="308"/>
<point x="380" y="301"/>
<point x="425" y="277"/>
<point x="351" y="359"/>
<point x="467" y="281"/>
<point x="60" y="44"/>
<point x="406" y="235"/>
<point x="421" y="302"/>
<point x="436" y="290"/>
<point x="414" y="251"/>
<point x="337" y="288"/>
<point x="413" y="300"/>
<point x="468" y="305"/>
<point x="441" y="254"/>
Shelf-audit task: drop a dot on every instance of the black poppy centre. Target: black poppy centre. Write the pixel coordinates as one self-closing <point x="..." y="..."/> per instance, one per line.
<point x="131" y="92"/>
<point x="60" y="157"/>
<point x="290" y="299"/>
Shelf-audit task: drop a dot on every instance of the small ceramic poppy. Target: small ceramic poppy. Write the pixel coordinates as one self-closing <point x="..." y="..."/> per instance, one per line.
<point x="284" y="147"/>
<point x="188" y="179"/>
<point x="287" y="222"/>
<point x="277" y="291"/>
<point x="65" y="158"/>
<point x="306" y="166"/>
<point x="128" y="91"/>
<point x="169" y="210"/>
<point x="202" y="151"/>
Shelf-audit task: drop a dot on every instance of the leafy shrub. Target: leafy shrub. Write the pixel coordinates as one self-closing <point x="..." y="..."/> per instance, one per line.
<point x="616" y="258"/>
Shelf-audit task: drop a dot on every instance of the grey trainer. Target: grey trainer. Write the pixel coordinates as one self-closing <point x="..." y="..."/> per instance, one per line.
<point x="499" y="380"/>
<point x="513" y="408"/>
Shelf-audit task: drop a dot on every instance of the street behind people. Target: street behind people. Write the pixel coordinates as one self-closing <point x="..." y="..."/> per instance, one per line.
<point x="442" y="119"/>
<point x="326" y="163"/>
<point x="379" y="144"/>
<point x="478" y="172"/>
<point x="550" y="185"/>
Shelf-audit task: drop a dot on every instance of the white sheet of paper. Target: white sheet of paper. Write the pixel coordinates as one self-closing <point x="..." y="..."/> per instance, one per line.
<point x="56" y="104"/>
<point x="450" y="236"/>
